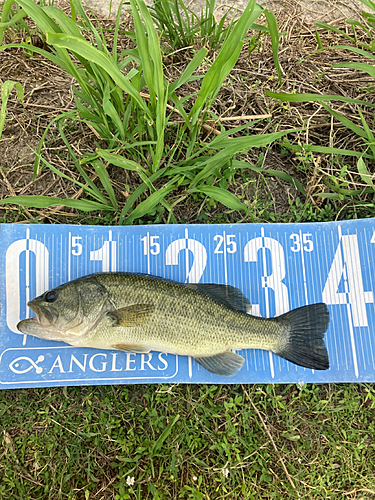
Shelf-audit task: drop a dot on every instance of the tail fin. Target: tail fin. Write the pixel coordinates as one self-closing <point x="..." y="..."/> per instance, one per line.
<point x="304" y="332"/>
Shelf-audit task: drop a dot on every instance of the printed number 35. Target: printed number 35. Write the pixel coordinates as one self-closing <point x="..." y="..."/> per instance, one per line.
<point x="306" y="243"/>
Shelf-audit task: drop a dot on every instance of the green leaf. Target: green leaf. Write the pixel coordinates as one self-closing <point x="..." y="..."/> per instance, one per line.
<point x="229" y="147"/>
<point x="186" y="75"/>
<point x="330" y="196"/>
<point x="364" y="173"/>
<point x="87" y="51"/>
<point x="163" y="436"/>
<point x="362" y="52"/>
<point x="221" y="195"/>
<point x="15" y="19"/>
<point x="326" y="26"/>
<point x="120" y="161"/>
<point x="345" y="121"/>
<point x="37" y="14"/>
<point x="226" y="59"/>
<point x="272" y="26"/>
<point x="50" y="201"/>
<point x="315" y="98"/>
<point x="6" y="89"/>
<point x="105" y="180"/>
<point x="326" y="150"/>
<point x="367" y="68"/>
<point x="274" y="173"/>
<point x="149" y="204"/>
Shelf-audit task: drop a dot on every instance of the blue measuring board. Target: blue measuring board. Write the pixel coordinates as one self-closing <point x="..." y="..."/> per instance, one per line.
<point x="277" y="266"/>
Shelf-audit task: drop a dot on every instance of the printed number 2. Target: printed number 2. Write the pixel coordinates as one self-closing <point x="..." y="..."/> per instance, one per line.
<point x="306" y="244"/>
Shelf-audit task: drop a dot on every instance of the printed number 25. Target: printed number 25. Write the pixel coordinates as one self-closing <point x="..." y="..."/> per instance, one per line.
<point x="230" y="244"/>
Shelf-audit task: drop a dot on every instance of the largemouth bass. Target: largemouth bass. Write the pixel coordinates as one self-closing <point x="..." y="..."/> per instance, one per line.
<point x="138" y="313"/>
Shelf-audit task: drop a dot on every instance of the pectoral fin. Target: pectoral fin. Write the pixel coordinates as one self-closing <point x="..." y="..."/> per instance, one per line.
<point x="131" y="316"/>
<point x="136" y="348"/>
<point x="227" y="363"/>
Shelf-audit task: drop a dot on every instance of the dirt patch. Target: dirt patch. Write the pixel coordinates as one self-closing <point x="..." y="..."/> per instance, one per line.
<point x="306" y="10"/>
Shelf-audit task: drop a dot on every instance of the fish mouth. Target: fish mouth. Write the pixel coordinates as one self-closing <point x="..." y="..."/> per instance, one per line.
<point x="26" y="325"/>
<point x="45" y="316"/>
<point x="32" y="327"/>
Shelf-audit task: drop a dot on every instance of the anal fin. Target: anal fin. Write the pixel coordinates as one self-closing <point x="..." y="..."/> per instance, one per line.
<point x="226" y="363"/>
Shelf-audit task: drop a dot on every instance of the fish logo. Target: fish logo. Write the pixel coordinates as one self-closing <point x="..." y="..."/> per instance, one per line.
<point x="18" y="365"/>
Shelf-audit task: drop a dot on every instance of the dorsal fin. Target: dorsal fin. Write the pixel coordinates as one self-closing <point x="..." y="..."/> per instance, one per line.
<point x="228" y="295"/>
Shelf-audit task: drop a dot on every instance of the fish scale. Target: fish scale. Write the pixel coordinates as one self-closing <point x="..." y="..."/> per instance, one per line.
<point x="138" y="313"/>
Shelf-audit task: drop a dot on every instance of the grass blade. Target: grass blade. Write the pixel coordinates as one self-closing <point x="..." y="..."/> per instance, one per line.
<point x="274" y="173"/>
<point x="274" y="33"/>
<point x="327" y="150"/>
<point x="345" y="121"/>
<point x="147" y="205"/>
<point x="163" y="436"/>
<point x="105" y="180"/>
<point x="226" y="59"/>
<point x="6" y="89"/>
<point x="370" y="136"/>
<point x="188" y="71"/>
<point x="50" y="201"/>
<point x="362" y="52"/>
<point x="366" y="68"/>
<point x="221" y="195"/>
<point x="37" y="14"/>
<point x="364" y="173"/>
<point x="120" y="161"/>
<point x="315" y="98"/>
<point x="87" y="51"/>
<point x="229" y="147"/>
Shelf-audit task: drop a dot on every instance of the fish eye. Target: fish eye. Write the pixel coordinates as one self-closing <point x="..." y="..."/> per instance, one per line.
<point x="50" y="296"/>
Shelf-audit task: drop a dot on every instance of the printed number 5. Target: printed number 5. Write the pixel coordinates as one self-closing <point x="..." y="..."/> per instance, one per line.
<point x="76" y="245"/>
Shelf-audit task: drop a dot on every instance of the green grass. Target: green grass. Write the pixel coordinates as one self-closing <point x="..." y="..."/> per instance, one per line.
<point x="138" y="127"/>
<point x="341" y="189"/>
<point x="187" y="441"/>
